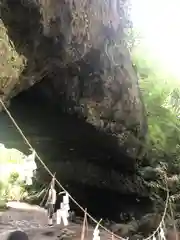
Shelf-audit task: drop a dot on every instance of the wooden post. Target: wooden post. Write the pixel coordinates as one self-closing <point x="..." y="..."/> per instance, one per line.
<point x="85" y="224"/>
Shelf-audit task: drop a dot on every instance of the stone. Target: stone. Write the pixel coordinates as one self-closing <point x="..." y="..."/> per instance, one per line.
<point x="137" y="237"/>
<point x="149" y="173"/>
<point x="123" y="230"/>
<point x="149" y="223"/>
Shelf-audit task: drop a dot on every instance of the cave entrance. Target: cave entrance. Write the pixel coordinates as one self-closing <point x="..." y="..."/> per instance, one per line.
<point x="72" y="148"/>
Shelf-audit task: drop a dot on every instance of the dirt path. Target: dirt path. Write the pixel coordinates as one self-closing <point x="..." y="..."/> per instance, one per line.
<point x="21" y="219"/>
<point x="34" y="223"/>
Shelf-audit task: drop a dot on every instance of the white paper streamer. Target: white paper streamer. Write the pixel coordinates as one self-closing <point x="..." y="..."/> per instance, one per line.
<point x="58" y="216"/>
<point x="66" y="206"/>
<point x="96" y="233"/>
<point x="30" y="167"/>
<point x="161" y="234"/>
<point x="61" y="214"/>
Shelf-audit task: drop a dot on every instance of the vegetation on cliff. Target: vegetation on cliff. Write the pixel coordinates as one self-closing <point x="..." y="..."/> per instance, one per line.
<point x="16" y="171"/>
<point x="11" y="63"/>
<point x="161" y="95"/>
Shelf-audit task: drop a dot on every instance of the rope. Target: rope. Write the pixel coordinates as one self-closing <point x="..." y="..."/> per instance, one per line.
<point x="80" y="207"/>
<point x="164" y="214"/>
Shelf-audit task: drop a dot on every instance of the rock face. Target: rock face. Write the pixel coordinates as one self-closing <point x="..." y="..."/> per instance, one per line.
<point x="73" y="54"/>
<point x="79" y="155"/>
<point x="77" y="48"/>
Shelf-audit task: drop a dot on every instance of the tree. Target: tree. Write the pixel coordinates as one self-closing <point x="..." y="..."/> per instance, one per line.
<point x="161" y="97"/>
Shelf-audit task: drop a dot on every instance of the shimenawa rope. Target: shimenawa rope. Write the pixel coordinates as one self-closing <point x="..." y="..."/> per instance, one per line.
<point x="82" y="209"/>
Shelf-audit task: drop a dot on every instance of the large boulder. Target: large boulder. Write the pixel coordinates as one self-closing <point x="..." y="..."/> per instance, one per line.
<point x="80" y="49"/>
<point x="74" y="54"/>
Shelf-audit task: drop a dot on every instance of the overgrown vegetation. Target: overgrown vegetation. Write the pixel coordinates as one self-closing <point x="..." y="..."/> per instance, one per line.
<point x="13" y="170"/>
<point x="161" y="95"/>
<point x="11" y="63"/>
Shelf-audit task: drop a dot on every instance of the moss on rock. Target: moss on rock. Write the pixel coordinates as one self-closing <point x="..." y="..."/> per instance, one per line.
<point x="11" y="63"/>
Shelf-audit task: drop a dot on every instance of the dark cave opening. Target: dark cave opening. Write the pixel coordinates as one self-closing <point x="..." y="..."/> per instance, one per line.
<point x="40" y="104"/>
<point x="71" y="148"/>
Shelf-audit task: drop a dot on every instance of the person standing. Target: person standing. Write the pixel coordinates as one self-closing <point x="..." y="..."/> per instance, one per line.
<point x="51" y="201"/>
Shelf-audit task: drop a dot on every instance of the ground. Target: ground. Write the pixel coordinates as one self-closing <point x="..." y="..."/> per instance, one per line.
<point x="34" y="223"/>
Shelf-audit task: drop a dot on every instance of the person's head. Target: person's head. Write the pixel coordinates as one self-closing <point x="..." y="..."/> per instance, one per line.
<point x="17" y="235"/>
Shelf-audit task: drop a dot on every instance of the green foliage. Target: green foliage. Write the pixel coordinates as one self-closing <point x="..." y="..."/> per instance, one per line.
<point x="161" y="96"/>
<point x="11" y="64"/>
<point x="12" y="187"/>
